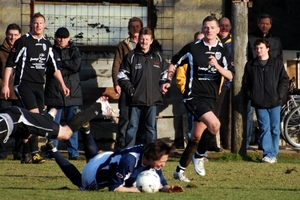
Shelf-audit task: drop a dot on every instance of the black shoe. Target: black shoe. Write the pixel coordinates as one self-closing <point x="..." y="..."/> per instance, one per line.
<point x="26" y="158"/>
<point x="215" y="149"/>
<point x="74" y="158"/>
<point x="48" y="147"/>
<point x="37" y="159"/>
<point x="86" y="128"/>
<point x="17" y="156"/>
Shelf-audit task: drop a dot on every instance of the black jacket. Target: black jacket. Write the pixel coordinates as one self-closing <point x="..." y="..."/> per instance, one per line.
<point x="275" y="45"/>
<point x="69" y="61"/>
<point x="141" y="75"/>
<point x="266" y="86"/>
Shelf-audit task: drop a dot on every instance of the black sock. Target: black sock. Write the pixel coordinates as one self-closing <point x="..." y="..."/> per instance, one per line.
<point x="204" y="142"/>
<point x="84" y="116"/>
<point x="187" y="154"/>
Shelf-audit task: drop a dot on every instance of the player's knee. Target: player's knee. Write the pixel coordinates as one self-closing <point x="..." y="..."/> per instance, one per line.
<point x="215" y="127"/>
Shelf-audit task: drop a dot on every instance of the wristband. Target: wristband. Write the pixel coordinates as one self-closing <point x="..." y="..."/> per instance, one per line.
<point x="168" y="81"/>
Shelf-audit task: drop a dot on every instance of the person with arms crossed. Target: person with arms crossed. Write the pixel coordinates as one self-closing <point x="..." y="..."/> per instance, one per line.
<point x="30" y="56"/>
<point x="141" y="73"/>
<point x="68" y="59"/>
<point x="203" y="81"/>
<point x="266" y="84"/>
<point x="12" y="33"/>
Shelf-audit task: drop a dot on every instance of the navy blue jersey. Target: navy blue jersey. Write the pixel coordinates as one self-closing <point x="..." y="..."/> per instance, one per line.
<point x="31" y="56"/>
<point x="202" y="79"/>
<point x="124" y="166"/>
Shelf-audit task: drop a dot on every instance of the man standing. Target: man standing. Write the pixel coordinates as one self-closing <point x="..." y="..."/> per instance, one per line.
<point x="208" y="60"/>
<point x="68" y="59"/>
<point x="13" y="32"/>
<point x="30" y="56"/>
<point x="141" y="73"/>
<point x="264" y="25"/>
<point x="135" y="24"/>
<point x="266" y="84"/>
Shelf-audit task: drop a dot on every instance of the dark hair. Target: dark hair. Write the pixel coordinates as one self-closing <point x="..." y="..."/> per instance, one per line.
<point x="156" y="149"/>
<point x="262" y="41"/>
<point x="263" y="16"/>
<point x="146" y="31"/>
<point x="209" y="19"/>
<point x="13" y="27"/>
<point x="37" y="15"/>
<point x="196" y="34"/>
<point x="134" y="19"/>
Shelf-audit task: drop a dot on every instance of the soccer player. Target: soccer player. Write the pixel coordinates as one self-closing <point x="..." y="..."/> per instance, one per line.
<point x="207" y="60"/>
<point x="116" y="170"/>
<point x="20" y="122"/>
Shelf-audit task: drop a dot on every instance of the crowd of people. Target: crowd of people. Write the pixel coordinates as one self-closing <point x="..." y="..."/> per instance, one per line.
<point x="141" y="76"/>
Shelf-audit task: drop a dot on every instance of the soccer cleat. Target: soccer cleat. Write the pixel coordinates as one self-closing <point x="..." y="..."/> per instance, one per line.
<point x="26" y="159"/>
<point x="86" y="128"/>
<point x="52" y="112"/>
<point x="107" y="111"/>
<point x="37" y="159"/>
<point x="48" y="147"/>
<point x="199" y="165"/>
<point x="181" y="176"/>
<point x="266" y="160"/>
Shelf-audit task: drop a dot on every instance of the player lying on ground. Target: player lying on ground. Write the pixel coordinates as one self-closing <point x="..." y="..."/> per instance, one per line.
<point x="116" y="170"/>
<point x="19" y="122"/>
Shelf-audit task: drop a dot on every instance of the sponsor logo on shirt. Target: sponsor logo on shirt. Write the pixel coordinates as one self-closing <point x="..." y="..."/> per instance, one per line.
<point x="138" y="66"/>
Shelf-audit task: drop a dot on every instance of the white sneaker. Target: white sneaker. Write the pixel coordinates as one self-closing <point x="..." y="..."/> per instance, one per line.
<point x="199" y="165"/>
<point x="107" y="111"/>
<point x="181" y="176"/>
<point x="273" y="160"/>
<point x="266" y="160"/>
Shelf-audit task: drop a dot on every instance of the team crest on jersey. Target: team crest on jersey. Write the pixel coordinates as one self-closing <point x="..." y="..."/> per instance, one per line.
<point x="218" y="55"/>
<point x="119" y="175"/>
<point x="44" y="47"/>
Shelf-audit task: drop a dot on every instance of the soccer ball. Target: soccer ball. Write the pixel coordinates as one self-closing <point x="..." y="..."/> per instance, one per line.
<point x="148" y="181"/>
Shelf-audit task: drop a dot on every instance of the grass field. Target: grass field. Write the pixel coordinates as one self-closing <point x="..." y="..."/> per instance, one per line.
<point x="228" y="177"/>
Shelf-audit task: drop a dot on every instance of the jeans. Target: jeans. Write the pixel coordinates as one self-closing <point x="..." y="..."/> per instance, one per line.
<point x="250" y="112"/>
<point x="149" y="114"/>
<point x="72" y="143"/>
<point x="269" y="127"/>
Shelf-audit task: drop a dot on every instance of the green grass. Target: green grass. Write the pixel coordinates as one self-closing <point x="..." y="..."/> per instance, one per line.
<point x="228" y="176"/>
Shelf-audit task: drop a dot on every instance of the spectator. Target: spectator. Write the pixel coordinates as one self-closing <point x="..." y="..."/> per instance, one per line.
<point x="29" y="56"/>
<point x="140" y="76"/>
<point x="135" y="24"/>
<point x="68" y="59"/>
<point x="13" y="32"/>
<point x="266" y="95"/>
<point x="201" y="91"/>
<point x="264" y="25"/>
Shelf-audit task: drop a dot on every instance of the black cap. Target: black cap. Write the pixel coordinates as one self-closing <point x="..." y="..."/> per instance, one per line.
<point x="62" y="32"/>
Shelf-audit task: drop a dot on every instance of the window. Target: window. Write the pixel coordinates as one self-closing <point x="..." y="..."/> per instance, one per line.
<point x="93" y="24"/>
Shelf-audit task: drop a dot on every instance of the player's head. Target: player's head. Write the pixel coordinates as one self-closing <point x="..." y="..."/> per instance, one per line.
<point x="210" y="27"/>
<point x="37" y="24"/>
<point x="157" y="153"/>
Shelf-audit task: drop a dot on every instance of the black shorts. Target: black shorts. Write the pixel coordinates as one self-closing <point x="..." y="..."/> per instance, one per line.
<point x="31" y="95"/>
<point x="199" y="106"/>
<point x="33" y="123"/>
